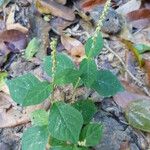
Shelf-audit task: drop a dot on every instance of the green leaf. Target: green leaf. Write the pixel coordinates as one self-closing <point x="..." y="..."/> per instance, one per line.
<point x="88" y="71"/>
<point x="39" y="118"/>
<point x="65" y="122"/>
<point x="138" y="115"/>
<point x="28" y="90"/>
<point x="92" y="134"/>
<point x="107" y="84"/>
<point x="142" y="48"/>
<point x="35" y="138"/>
<point x="97" y="46"/>
<point x="87" y="108"/>
<point x="63" y="62"/>
<point x="68" y="76"/>
<point x="32" y="48"/>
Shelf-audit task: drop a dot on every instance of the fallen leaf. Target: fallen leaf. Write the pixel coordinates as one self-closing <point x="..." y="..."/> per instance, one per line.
<point x="129" y="7"/>
<point x="74" y="47"/>
<point x="140" y="24"/>
<point x="147" y="69"/>
<point x="88" y="4"/>
<point x="124" y="98"/>
<point x="131" y="87"/>
<point x="12" y="115"/>
<point x="139" y="14"/>
<point x="17" y="26"/>
<point x="11" y="16"/>
<point x="139" y="18"/>
<point x="12" y="40"/>
<point x="131" y="93"/>
<point x="138" y="114"/>
<point x="56" y="9"/>
<point x="59" y="24"/>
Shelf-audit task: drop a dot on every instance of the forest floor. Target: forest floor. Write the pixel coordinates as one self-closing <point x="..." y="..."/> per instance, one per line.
<point x="126" y="54"/>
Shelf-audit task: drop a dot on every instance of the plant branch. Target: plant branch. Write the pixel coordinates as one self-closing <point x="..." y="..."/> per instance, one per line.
<point x="100" y="22"/>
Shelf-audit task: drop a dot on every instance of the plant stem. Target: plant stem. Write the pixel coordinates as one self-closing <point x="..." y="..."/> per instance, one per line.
<point x="53" y="45"/>
<point x="74" y="90"/>
<point x="100" y="22"/>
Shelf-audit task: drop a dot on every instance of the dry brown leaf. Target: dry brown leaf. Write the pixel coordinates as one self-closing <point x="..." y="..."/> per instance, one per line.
<point x="124" y="98"/>
<point x="132" y="87"/>
<point x="88" y="4"/>
<point x="131" y="93"/>
<point x="74" y="47"/>
<point x="139" y="18"/>
<point x="129" y="7"/>
<point x="139" y="14"/>
<point x="12" y="115"/>
<point x="55" y="9"/>
<point x="11" y="16"/>
<point x="59" y="24"/>
<point x="17" y="26"/>
<point x="12" y="40"/>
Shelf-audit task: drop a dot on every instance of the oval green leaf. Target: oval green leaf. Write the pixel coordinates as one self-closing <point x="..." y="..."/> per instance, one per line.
<point x="28" y="90"/>
<point x="88" y="71"/>
<point x="87" y="109"/>
<point x="106" y="84"/>
<point x="63" y="62"/>
<point x="65" y="122"/>
<point x="138" y="115"/>
<point x="35" y="138"/>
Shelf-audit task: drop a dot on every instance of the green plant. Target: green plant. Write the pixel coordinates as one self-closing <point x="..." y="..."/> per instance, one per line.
<point x="67" y="126"/>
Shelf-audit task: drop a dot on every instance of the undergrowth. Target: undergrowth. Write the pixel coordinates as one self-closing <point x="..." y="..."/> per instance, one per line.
<point x="65" y="126"/>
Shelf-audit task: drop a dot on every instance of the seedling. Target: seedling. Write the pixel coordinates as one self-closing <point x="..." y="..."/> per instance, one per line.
<point x="66" y="126"/>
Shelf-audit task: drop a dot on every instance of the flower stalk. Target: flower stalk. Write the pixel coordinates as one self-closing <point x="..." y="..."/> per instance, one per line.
<point x="53" y="45"/>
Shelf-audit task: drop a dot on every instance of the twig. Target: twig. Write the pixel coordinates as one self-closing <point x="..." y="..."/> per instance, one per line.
<point x="126" y="69"/>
